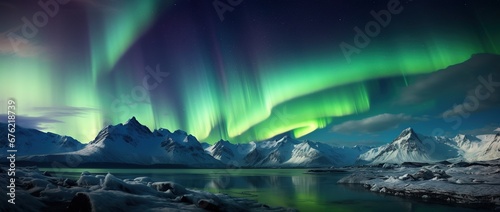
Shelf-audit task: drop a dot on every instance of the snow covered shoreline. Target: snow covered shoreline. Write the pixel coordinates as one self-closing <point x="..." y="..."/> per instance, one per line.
<point x="37" y="191"/>
<point x="475" y="185"/>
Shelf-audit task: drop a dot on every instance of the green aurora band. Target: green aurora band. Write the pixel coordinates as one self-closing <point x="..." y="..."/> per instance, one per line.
<point x="297" y="94"/>
<point x="114" y="31"/>
<point x="311" y="92"/>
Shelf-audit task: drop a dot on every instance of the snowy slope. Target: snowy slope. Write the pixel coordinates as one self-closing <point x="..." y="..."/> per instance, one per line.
<point x="492" y="150"/>
<point x="412" y="147"/>
<point x="133" y="143"/>
<point x="482" y="148"/>
<point x="406" y="147"/>
<point x="229" y="153"/>
<point x="31" y="141"/>
<point x="283" y="151"/>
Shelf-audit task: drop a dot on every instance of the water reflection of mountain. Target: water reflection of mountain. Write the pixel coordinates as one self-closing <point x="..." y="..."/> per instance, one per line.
<point x="272" y="181"/>
<point x="229" y="181"/>
<point x="281" y="187"/>
<point x="274" y="188"/>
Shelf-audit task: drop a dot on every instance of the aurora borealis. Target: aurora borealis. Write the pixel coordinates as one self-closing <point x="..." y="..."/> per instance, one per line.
<point x="269" y="67"/>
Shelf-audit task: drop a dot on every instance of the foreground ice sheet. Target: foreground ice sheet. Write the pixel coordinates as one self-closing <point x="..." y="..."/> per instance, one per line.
<point x="471" y="184"/>
<point x="36" y="191"/>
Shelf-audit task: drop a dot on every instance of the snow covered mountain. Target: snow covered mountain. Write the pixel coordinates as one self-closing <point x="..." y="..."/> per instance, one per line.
<point x="134" y="143"/>
<point x="479" y="148"/>
<point x="412" y="147"/>
<point x="31" y="141"/>
<point x="283" y="151"/>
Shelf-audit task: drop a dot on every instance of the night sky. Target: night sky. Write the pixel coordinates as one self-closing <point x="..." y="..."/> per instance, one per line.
<point x="341" y="72"/>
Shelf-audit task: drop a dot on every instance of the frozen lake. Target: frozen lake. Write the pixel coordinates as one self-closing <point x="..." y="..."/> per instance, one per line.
<point x="277" y="187"/>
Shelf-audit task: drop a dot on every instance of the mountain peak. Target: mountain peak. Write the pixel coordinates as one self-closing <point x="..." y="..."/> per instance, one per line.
<point x="162" y="132"/>
<point x="181" y="132"/>
<point x="132" y="123"/>
<point x="408" y="130"/>
<point x="464" y="138"/>
<point x="223" y="141"/>
<point x="407" y="134"/>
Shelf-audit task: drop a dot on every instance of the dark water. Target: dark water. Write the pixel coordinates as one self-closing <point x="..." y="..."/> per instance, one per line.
<point x="279" y="187"/>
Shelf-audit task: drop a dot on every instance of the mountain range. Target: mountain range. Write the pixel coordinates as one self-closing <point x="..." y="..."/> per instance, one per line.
<point x="284" y="151"/>
<point x="32" y="142"/>
<point x="135" y="144"/>
<point x="412" y="147"/>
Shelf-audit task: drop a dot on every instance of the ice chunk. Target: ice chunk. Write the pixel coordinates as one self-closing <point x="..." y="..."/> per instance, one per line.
<point x="424" y="174"/>
<point x="173" y="187"/>
<point x="143" y="179"/>
<point x="113" y="183"/>
<point x="89" y="180"/>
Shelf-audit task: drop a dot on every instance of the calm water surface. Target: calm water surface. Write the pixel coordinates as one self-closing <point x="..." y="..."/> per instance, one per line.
<point x="278" y="187"/>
